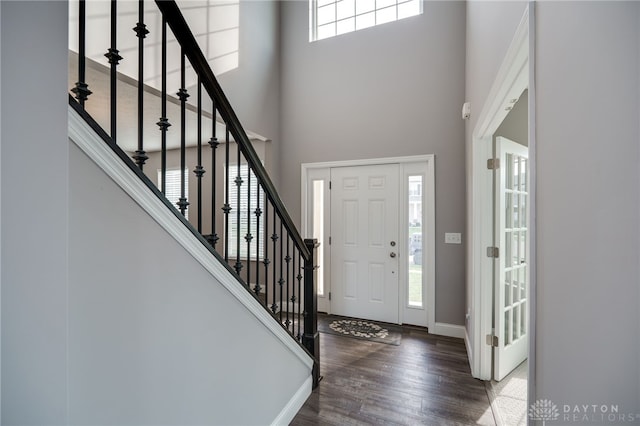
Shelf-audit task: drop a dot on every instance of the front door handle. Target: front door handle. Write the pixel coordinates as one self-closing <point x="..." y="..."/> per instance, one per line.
<point x="392" y="254"/>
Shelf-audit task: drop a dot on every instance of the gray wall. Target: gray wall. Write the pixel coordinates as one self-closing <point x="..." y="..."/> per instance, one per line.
<point x="254" y="87"/>
<point x="516" y="124"/>
<point x="490" y="29"/>
<point x="0" y="218"/>
<point x="34" y="212"/>
<point x="153" y="337"/>
<point x="588" y="326"/>
<point x="391" y="90"/>
<point x="587" y="106"/>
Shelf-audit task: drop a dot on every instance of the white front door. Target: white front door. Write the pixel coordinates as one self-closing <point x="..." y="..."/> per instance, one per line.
<point x="512" y="266"/>
<point x="364" y="246"/>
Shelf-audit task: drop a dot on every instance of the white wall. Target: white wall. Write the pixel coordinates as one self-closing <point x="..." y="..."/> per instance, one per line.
<point x="153" y="337"/>
<point x="34" y="212"/>
<point x="392" y="90"/>
<point x="588" y="205"/>
<point x="490" y="29"/>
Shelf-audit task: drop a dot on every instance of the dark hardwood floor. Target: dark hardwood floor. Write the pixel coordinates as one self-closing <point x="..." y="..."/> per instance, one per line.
<point x="424" y="381"/>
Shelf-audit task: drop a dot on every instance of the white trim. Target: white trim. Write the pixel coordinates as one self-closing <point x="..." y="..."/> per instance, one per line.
<point x="410" y="314"/>
<point x="449" y="330"/>
<point x="428" y="211"/>
<point x="295" y="403"/>
<point x="482" y="266"/>
<point x="512" y="79"/>
<point x="92" y="145"/>
<point x="367" y="162"/>
<point x="533" y="272"/>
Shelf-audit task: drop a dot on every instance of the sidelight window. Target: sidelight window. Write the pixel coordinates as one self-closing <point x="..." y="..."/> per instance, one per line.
<point x="416" y="248"/>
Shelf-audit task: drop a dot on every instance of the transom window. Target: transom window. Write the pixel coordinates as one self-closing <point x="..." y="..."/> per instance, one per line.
<point x="329" y="18"/>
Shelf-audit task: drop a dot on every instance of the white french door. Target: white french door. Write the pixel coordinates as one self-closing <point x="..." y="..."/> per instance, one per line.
<point x="512" y="266"/>
<point x="364" y="247"/>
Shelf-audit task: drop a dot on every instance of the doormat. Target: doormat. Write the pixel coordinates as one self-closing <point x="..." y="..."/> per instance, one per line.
<point x="360" y="329"/>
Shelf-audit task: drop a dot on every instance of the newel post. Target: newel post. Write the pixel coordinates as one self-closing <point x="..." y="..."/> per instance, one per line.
<point x="311" y="338"/>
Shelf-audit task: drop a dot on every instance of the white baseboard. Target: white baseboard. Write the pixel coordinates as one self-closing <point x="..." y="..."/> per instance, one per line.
<point x="295" y="404"/>
<point x="449" y="330"/>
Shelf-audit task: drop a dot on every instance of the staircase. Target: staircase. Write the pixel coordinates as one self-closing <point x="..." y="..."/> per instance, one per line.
<point x="200" y="164"/>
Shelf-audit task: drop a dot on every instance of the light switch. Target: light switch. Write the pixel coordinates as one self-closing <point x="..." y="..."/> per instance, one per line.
<point x="453" y="238"/>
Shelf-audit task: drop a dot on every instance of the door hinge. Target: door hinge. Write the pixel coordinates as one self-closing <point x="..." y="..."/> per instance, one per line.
<point x="492" y="340"/>
<point x="329" y="296"/>
<point x="493" y="163"/>
<point x="493" y="252"/>
<point x="329" y="185"/>
<point x="329" y="240"/>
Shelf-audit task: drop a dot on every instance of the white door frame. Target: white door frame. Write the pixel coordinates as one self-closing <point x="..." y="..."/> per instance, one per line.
<point x="514" y="76"/>
<point x="429" y="228"/>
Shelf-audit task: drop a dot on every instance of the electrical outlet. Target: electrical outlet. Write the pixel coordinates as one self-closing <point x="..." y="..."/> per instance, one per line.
<point x="453" y="238"/>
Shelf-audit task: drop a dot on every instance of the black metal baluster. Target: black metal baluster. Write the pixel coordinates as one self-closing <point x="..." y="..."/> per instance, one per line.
<point x="281" y="280"/>
<point x="258" y="213"/>
<point x="113" y="55"/>
<point x="226" y="208"/>
<point x="300" y="298"/>
<point x="164" y="121"/>
<point x="248" y="237"/>
<point x="213" y="143"/>
<point x="81" y="89"/>
<point x="293" y="290"/>
<point x="183" y="95"/>
<point x="259" y="186"/>
<point x="266" y="260"/>
<point x="141" y="32"/>
<point x="287" y="260"/>
<point x="199" y="170"/>
<point x="274" y="238"/>
<point x="238" y="181"/>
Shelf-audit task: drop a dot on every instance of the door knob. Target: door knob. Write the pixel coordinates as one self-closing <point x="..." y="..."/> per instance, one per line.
<point x="392" y="254"/>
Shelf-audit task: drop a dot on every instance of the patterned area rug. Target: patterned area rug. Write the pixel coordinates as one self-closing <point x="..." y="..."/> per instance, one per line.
<point x="360" y="329"/>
